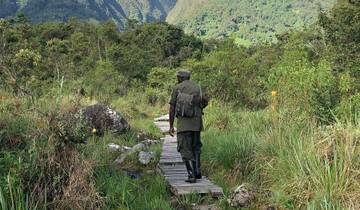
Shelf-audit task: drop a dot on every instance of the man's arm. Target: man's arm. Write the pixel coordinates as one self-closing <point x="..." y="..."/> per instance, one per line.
<point x="172" y="112"/>
<point x="172" y="119"/>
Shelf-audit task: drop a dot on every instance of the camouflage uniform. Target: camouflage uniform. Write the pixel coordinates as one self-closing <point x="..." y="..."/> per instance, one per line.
<point x="188" y="129"/>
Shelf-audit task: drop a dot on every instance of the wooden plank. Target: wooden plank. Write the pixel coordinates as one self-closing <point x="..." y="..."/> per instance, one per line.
<point x="172" y="167"/>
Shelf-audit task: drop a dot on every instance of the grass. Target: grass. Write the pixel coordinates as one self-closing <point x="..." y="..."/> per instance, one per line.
<point x="115" y="188"/>
<point x="14" y="198"/>
<point x="293" y="163"/>
<point x="121" y="192"/>
<point x="301" y="164"/>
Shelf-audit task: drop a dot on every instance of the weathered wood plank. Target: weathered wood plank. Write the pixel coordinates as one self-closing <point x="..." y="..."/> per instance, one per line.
<point x="172" y="167"/>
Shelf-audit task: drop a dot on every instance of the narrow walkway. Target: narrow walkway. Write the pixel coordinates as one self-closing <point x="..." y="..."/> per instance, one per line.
<point x="173" y="168"/>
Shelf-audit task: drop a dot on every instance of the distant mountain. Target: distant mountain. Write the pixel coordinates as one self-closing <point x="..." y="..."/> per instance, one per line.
<point x="250" y="20"/>
<point x="247" y="20"/>
<point x="97" y="10"/>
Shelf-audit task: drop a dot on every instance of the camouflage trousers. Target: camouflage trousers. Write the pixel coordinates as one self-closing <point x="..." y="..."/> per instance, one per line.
<point x="189" y="143"/>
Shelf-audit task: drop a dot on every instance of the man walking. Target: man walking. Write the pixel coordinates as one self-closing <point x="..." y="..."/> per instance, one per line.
<point x="186" y="104"/>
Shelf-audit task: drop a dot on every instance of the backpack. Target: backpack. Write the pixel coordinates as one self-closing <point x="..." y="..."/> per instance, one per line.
<point x="188" y="105"/>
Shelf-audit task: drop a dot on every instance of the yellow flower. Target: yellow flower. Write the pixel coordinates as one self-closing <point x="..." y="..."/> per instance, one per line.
<point x="273" y="93"/>
<point x="94" y="130"/>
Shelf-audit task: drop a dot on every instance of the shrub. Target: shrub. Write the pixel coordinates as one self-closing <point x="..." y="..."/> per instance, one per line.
<point x="304" y="87"/>
<point x="104" y="82"/>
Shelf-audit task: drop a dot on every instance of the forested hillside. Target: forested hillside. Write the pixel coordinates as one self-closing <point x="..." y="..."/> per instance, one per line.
<point x="118" y="10"/>
<point x="283" y="120"/>
<point x="250" y="21"/>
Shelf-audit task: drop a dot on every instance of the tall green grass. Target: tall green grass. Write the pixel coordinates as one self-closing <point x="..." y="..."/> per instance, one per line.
<point x="301" y="164"/>
<point x="121" y="192"/>
<point x="13" y="197"/>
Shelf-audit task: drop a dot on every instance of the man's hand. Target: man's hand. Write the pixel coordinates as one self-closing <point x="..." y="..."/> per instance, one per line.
<point x="172" y="131"/>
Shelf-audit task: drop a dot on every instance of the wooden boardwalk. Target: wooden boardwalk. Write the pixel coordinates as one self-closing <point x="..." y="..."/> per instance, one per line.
<point x="172" y="167"/>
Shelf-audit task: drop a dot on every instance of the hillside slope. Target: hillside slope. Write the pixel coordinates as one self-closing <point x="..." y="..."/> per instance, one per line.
<point x="250" y="20"/>
<point x="98" y="10"/>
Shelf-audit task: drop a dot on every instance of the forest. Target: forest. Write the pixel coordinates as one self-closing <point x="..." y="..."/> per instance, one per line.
<point x="249" y="21"/>
<point x="283" y="116"/>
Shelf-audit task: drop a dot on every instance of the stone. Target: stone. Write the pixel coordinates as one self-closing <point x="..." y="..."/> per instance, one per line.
<point x="117" y="148"/>
<point x="130" y="150"/>
<point x="139" y="147"/>
<point x="146" y="157"/>
<point x="99" y="118"/>
<point x="241" y="197"/>
<point x="149" y="142"/>
<point x="121" y="158"/>
<point x="113" y="147"/>
<point x="141" y="136"/>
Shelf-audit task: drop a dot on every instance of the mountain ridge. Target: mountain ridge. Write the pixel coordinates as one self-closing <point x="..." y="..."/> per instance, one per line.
<point x="96" y="10"/>
<point x="247" y="20"/>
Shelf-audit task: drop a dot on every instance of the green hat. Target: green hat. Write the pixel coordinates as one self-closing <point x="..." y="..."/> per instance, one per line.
<point x="184" y="74"/>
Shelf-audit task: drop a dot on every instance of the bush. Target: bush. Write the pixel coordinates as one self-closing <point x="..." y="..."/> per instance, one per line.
<point x="104" y="82"/>
<point x="304" y="87"/>
<point x="39" y="158"/>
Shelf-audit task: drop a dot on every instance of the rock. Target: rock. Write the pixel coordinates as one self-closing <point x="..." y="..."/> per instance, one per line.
<point x="99" y="118"/>
<point x="141" y="136"/>
<point x="139" y="147"/>
<point x="130" y="150"/>
<point x="146" y="157"/>
<point x="149" y="142"/>
<point x="113" y="147"/>
<point x="121" y="158"/>
<point x="117" y="148"/>
<point x="241" y="197"/>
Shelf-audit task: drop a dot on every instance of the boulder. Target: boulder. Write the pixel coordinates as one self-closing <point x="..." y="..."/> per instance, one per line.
<point x="100" y="118"/>
<point x="130" y="150"/>
<point x="146" y="157"/>
<point x="139" y="147"/>
<point x="241" y="197"/>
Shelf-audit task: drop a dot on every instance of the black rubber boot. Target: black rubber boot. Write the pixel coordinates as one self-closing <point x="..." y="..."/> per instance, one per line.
<point x="190" y="167"/>
<point x="197" y="166"/>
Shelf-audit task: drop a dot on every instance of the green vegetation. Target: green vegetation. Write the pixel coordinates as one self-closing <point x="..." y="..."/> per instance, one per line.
<point x="120" y="11"/>
<point x="284" y="117"/>
<point x="249" y="21"/>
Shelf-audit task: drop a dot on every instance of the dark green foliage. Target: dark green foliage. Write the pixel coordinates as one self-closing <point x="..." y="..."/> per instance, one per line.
<point x="152" y="45"/>
<point x="342" y="33"/>
<point x="236" y="74"/>
<point x="247" y="20"/>
<point x="62" y="52"/>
